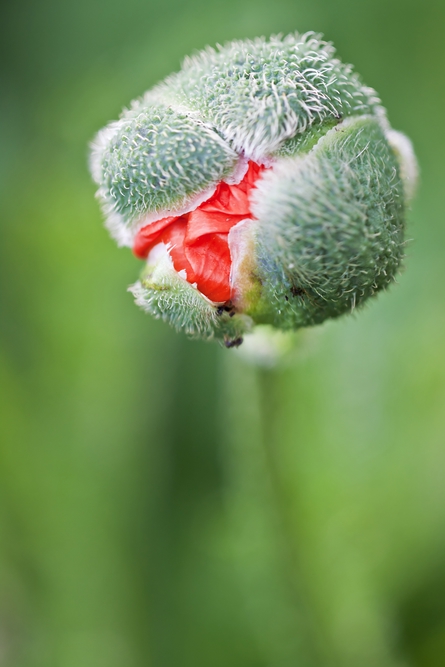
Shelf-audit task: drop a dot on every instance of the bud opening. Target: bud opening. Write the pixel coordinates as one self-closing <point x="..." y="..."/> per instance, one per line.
<point x="198" y="241"/>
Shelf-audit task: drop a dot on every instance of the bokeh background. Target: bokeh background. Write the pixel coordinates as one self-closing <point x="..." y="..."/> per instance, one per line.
<point x="163" y="504"/>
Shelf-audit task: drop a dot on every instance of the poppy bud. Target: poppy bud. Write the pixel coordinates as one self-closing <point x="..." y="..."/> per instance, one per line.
<point x="261" y="184"/>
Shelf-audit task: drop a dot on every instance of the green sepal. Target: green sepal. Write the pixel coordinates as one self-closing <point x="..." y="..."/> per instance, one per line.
<point x="258" y="93"/>
<point x="157" y="160"/>
<point x="303" y="143"/>
<point x="330" y="225"/>
<point x="163" y="293"/>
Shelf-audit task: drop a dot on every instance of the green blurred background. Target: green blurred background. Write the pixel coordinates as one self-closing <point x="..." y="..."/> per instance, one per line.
<point x="162" y="504"/>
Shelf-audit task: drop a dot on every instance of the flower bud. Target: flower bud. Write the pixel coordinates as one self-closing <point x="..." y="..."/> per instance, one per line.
<point x="261" y="184"/>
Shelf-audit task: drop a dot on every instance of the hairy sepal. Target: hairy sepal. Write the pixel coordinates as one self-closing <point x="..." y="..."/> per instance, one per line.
<point x="166" y="295"/>
<point x="330" y="225"/>
<point x="154" y="162"/>
<point x="258" y="93"/>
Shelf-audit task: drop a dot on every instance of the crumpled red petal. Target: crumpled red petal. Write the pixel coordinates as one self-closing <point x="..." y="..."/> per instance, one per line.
<point x="198" y="241"/>
<point x="148" y="236"/>
<point x="210" y="259"/>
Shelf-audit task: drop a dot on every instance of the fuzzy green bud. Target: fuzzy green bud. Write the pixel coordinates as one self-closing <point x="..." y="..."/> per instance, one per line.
<point x="317" y="224"/>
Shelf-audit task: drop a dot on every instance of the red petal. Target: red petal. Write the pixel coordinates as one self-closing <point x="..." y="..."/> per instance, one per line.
<point x="210" y="259"/>
<point x="234" y="199"/>
<point x="174" y="237"/>
<point x="230" y="199"/>
<point x="149" y="235"/>
<point x="201" y="222"/>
